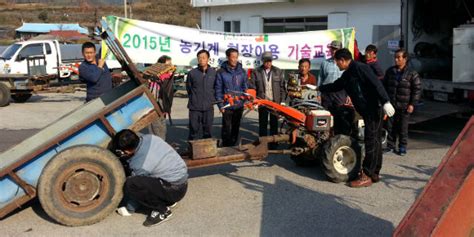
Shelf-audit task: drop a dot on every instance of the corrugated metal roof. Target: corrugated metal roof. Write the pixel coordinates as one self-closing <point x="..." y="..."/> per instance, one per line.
<point x="47" y="27"/>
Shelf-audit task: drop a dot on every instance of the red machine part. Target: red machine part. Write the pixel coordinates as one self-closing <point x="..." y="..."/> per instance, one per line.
<point x="445" y="207"/>
<point x="250" y="99"/>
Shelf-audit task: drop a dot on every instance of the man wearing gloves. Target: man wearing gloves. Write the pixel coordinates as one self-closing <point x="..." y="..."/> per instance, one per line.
<point x="367" y="94"/>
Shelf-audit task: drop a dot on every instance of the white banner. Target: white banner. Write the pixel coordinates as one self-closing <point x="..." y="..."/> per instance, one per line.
<point x="146" y="41"/>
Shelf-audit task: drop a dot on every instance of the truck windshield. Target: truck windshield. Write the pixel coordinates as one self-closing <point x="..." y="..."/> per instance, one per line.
<point x="10" y="51"/>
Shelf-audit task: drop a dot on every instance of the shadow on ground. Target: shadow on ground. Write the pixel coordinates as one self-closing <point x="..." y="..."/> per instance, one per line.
<point x="318" y="214"/>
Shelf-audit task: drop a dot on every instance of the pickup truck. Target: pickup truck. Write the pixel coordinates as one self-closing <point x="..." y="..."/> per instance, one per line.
<point x="25" y="64"/>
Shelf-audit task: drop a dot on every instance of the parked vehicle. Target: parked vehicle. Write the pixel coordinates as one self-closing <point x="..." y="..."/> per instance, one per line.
<point x="24" y="65"/>
<point x="14" y="59"/>
<point x="440" y="48"/>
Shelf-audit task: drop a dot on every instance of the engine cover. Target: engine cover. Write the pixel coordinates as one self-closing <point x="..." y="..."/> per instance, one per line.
<point x="319" y="120"/>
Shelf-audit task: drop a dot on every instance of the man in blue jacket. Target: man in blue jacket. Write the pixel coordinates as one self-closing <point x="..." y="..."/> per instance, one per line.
<point x="94" y="72"/>
<point x="231" y="77"/>
<point x="201" y="97"/>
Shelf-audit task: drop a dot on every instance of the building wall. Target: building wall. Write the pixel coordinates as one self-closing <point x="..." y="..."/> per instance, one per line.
<point x="362" y="15"/>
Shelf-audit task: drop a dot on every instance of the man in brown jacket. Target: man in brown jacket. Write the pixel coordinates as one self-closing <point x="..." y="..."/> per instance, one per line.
<point x="269" y="82"/>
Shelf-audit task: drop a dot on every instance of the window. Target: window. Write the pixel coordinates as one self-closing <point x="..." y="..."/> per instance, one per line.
<point x="227" y="27"/>
<point x="294" y="24"/>
<point x="10" y="51"/>
<point x="31" y="50"/>
<point x="48" y="48"/>
<point x="232" y="26"/>
<point x="236" y="26"/>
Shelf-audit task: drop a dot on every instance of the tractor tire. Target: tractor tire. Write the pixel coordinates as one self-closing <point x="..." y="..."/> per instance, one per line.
<point x="21" y="98"/>
<point x="4" y="95"/>
<point x="81" y="185"/>
<point x="341" y="158"/>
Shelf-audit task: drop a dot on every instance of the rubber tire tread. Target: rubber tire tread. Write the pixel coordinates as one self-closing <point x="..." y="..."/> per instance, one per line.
<point x="4" y="95"/>
<point x="66" y="158"/>
<point x="329" y="148"/>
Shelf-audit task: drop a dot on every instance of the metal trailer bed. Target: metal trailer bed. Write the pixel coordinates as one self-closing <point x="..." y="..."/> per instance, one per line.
<point x="127" y="106"/>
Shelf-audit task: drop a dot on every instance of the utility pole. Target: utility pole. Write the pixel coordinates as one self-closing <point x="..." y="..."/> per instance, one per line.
<point x="125" y="8"/>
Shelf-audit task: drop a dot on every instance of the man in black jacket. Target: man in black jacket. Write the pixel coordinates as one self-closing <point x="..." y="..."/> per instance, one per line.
<point x="403" y="86"/>
<point x="269" y="81"/>
<point x="371" y="60"/>
<point x="368" y="96"/>
<point x="200" y="87"/>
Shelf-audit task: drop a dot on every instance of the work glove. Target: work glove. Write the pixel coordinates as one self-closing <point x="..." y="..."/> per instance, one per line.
<point x="388" y="109"/>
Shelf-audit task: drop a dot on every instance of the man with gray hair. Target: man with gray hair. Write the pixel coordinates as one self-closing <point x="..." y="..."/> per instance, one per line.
<point x="269" y="83"/>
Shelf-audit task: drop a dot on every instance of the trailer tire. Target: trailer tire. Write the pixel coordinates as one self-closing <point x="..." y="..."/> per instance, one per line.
<point x="81" y="185"/>
<point x="21" y="98"/>
<point x="4" y="95"/>
<point x="341" y="158"/>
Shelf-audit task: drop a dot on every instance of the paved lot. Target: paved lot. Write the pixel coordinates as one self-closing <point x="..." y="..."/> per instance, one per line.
<point x="268" y="198"/>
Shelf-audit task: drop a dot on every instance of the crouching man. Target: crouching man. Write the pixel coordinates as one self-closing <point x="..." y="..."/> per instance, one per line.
<point x="158" y="174"/>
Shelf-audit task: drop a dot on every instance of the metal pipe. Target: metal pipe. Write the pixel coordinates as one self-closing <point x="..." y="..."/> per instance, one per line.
<point x="215" y="160"/>
<point x="284" y="152"/>
<point x="275" y="138"/>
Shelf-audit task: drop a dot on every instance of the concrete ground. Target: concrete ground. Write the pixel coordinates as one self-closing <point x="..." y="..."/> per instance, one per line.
<point x="263" y="198"/>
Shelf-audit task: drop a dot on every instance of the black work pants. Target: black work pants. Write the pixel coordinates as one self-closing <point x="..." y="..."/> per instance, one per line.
<point x="373" y="143"/>
<point x="230" y="126"/>
<point x="154" y="193"/>
<point x="200" y="120"/>
<point x="343" y="119"/>
<point x="397" y="127"/>
<point x="263" y="114"/>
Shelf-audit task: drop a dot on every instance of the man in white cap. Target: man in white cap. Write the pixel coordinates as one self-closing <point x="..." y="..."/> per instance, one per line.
<point x="269" y="83"/>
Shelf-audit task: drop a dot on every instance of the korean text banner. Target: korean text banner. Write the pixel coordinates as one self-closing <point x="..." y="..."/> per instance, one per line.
<point x="146" y="41"/>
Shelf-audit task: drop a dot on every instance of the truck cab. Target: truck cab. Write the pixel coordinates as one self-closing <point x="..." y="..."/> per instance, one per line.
<point x="14" y="59"/>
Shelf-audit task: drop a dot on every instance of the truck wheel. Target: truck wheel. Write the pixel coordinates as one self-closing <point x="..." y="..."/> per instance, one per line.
<point x="21" y="98"/>
<point x="81" y="185"/>
<point x="4" y="95"/>
<point x="341" y="158"/>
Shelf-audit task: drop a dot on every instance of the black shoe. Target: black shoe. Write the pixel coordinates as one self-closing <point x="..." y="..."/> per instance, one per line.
<point x="157" y="217"/>
<point x="388" y="150"/>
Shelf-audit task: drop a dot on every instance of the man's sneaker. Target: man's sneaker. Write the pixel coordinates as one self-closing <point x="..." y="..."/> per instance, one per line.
<point x="402" y="151"/>
<point x="123" y="211"/>
<point x="388" y="150"/>
<point x="156" y="217"/>
<point x="173" y="206"/>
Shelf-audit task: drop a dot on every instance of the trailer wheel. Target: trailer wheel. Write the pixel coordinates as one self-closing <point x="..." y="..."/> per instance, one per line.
<point x="4" y="95"/>
<point x="81" y="185"/>
<point x="21" y="98"/>
<point x="341" y="158"/>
